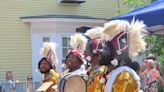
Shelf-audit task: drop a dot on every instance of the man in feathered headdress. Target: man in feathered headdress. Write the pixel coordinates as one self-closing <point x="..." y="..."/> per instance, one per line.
<point x="46" y="66"/>
<point x="94" y="45"/>
<point x="122" y="40"/>
<point x="75" y="59"/>
<point x="92" y="55"/>
<point x="72" y="78"/>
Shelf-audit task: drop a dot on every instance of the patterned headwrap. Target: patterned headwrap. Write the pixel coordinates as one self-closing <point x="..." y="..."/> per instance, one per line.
<point x="78" y="45"/>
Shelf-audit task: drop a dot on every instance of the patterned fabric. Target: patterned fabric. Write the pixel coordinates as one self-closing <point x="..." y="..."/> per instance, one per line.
<point x="93" y="83"/>
<point x="123" y="79"/>
<point x="125" y="83"/>
<point x="149" y="78"/>
<point x="52" y="77"/>
<point x="75" y="52"/>
<point x="63" y="73"/>
<point x="120" y="43"/>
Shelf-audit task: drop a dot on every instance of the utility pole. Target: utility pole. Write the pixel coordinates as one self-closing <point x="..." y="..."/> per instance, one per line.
<point x="118" y="2"/>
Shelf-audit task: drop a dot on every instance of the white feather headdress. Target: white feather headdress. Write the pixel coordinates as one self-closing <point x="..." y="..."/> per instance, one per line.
<point x="49" y="51"/>
<point x="112" y="28"/>
<point x="94" y="32"/>
<point x="136" y="42"/>
<point x="78" y="41"/>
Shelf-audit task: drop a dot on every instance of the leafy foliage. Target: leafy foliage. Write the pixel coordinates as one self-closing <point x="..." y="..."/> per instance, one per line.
<point x="155" y="44"/>
<point x="137" y="3"/>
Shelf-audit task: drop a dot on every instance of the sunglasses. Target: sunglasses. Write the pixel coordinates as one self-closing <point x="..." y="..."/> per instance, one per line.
<point x="29" y="78"/>
<point x="145" y="61"/>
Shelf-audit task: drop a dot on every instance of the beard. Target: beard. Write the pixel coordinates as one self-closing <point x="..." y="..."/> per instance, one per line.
<point x="45" y="72"/>
<point x="104" y="61"/>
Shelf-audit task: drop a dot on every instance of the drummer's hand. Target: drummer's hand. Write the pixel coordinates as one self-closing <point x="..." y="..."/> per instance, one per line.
<point x="55" y="88"/>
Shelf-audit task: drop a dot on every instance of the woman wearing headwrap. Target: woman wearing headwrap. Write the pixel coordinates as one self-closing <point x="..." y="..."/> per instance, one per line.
<point x="46" y="66"/>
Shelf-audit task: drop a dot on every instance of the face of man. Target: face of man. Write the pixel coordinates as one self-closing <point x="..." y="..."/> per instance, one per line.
<point x="44" y="66"/>
<point x="73" y="62"/>
<point x="94" y="48"/>
<point x="106" y="56"/>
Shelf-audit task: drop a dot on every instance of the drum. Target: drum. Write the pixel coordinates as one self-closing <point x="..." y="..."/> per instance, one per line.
<point x="72" y="83"/>
<point x="123" y="79"/>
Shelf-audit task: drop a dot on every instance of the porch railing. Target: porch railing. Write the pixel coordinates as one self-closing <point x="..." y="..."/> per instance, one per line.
<point x="18" y="86"/>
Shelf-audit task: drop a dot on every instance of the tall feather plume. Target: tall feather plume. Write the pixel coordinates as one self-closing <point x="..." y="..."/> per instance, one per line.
<point x="49" y="51"/>
<point x="94" y="32"/>
<point x="137" y="42"/>
<point x="78" y="41"/>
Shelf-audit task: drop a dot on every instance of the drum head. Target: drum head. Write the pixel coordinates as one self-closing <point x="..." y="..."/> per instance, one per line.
<point x="123" y="79"/>
<point x="74" y="83"/>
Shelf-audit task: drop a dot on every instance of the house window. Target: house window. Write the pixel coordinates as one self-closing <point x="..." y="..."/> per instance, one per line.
<point x="65" y="46"/>
<point x="46" y="39"/>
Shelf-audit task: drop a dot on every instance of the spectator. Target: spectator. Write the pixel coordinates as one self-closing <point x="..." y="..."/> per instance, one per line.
<point x="9" y="75"/>
<point x="153" y="57"/>
<point x="10" y="81"/>
<point x="29" y="83"/>
<point x="150" y="76"/>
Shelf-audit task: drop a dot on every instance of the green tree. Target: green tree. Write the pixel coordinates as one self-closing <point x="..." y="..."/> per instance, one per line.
<point x="136" y="3"/>
<point x="155" y="45"/>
